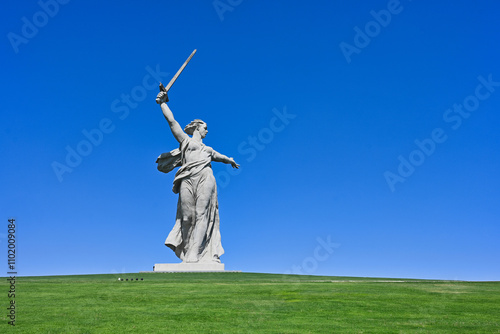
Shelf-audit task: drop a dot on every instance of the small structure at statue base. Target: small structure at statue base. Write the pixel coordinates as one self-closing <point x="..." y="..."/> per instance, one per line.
<point x="188" y="267"/>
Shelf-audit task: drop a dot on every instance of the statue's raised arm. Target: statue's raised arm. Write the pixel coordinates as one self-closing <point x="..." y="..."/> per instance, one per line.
<point x="176" y="129"/>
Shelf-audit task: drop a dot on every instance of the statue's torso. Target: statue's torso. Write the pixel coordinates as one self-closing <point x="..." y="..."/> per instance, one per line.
<point x="196" y="151"/>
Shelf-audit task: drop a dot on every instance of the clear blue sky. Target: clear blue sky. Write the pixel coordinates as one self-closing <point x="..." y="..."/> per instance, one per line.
<point x="386" y="144"/>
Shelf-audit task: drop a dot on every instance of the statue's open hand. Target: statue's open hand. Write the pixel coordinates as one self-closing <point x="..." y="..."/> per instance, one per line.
<point x="234" y="164"/>
<point x="161" y="97"/>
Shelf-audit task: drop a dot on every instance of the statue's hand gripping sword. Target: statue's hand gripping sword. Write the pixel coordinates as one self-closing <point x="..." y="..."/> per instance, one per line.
<point x="166" y="89"/>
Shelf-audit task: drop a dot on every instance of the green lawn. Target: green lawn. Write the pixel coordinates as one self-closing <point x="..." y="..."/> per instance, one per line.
<point x="249" y="303"/>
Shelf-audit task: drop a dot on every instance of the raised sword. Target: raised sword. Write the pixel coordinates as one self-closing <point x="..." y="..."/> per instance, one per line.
<point x="166" y="89"/>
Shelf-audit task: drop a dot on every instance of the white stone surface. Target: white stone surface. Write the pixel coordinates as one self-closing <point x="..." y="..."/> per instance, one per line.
<point x="195" y="237"/>
<point x="188" y="267"/>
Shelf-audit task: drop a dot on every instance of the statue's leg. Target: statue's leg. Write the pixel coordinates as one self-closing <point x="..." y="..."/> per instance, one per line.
<point x="204" y="195"/>
<point x="187" y="205"/>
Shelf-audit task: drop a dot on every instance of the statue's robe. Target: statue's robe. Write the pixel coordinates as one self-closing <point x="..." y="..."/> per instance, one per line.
<point x="195" y="178"/>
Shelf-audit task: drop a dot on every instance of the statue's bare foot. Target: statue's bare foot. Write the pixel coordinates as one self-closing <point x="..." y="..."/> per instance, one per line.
<point x="190" y="259"/>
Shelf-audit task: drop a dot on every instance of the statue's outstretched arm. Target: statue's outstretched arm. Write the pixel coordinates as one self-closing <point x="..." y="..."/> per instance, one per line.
<point x="176" y="129"/>
<point x="218" y="157"/>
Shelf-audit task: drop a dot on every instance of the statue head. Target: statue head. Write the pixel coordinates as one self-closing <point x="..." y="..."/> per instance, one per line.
<point x="197" y="125"/>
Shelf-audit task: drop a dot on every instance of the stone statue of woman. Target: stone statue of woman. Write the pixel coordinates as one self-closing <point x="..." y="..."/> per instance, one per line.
<point x="195" y="237"/>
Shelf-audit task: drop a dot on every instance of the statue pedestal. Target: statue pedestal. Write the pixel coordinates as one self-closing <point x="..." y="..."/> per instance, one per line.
<point x="188" y="267"/>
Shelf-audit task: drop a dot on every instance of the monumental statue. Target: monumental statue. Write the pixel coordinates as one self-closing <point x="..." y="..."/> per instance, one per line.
<point x="195" y="237"/>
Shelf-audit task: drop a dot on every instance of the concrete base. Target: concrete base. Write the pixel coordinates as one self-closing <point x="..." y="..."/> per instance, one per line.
<point x="188" y="267"/>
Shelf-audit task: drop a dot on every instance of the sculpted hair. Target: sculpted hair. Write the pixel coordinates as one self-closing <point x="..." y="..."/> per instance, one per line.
<point x="189" y="129"/>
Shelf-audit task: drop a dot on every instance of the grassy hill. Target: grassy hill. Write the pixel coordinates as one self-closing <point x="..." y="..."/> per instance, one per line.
<point x="249" y="303"/>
